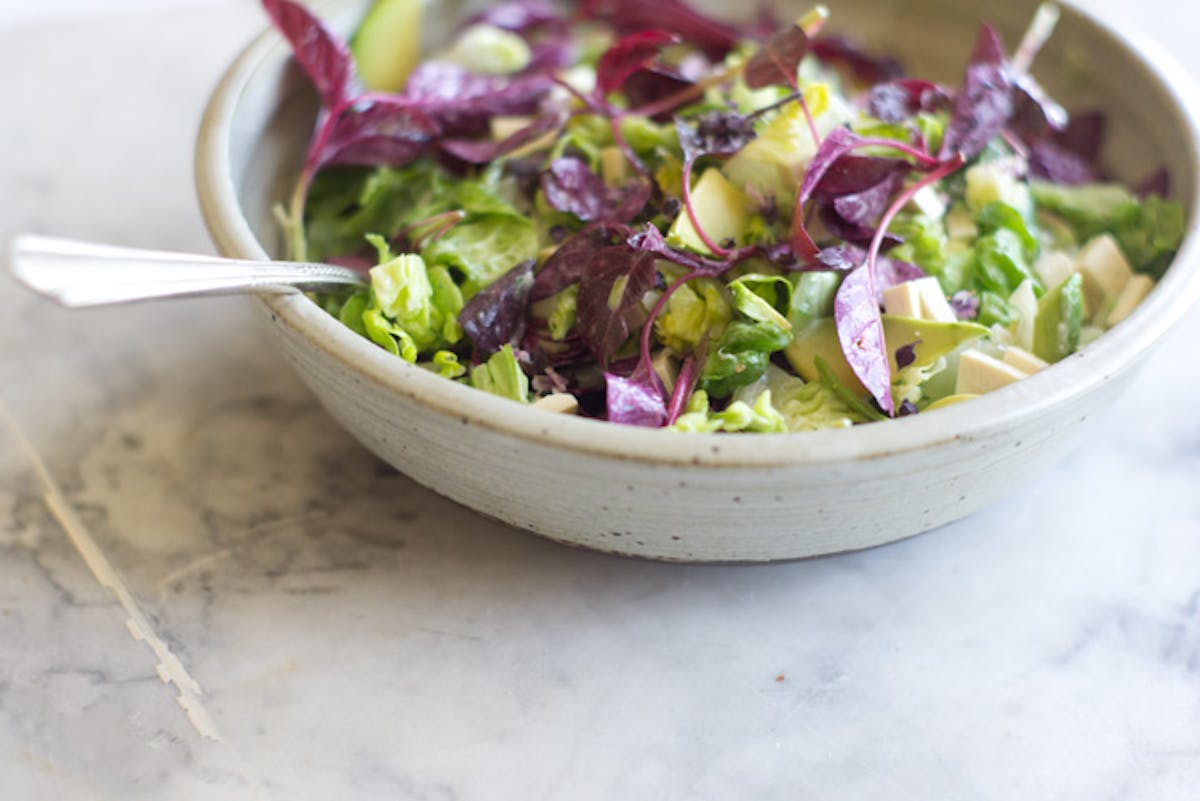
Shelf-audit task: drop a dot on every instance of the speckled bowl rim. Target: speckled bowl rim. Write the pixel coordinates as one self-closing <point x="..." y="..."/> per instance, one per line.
<point x="1072" y="378"/>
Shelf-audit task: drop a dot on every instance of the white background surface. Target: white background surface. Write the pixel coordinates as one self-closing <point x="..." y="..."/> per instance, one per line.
<point x="352" y="635"/>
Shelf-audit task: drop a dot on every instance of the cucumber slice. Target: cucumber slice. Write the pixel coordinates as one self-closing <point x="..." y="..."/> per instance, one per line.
<point x="387" y="45"/>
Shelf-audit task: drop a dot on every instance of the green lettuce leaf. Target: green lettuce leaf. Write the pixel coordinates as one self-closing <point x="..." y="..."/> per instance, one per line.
<point x="484" y="249"/>
<point x="700" y="309"/>
<point x="759" y="417"/>
<point x="502" y="375"/>
<point x="741" y="356"/>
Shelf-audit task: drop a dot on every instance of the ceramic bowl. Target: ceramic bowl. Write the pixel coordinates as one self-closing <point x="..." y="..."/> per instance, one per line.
<point x="665" y="495"/>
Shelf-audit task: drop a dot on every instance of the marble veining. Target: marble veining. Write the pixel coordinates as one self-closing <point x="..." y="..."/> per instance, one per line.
<point x="349" y="634"/>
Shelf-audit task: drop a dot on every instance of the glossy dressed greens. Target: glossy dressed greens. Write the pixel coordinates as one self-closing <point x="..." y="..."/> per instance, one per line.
<point x="642" y="214"/>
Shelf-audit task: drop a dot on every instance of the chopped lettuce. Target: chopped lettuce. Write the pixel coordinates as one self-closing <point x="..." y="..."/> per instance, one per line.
<point x="502" y="375"/>
<point x="741" y="356"/>
<point x="698" y="310"/>
<point x="758" y="417"/>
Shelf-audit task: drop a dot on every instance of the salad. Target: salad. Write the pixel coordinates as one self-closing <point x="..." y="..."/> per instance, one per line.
<point x="638" y="213"/>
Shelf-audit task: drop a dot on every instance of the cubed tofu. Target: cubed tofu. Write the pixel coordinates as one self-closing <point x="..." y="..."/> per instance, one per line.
<point x="1105" y="271"/>
<point x="1023" y="360"/>
<point x="558" y="402"/>
<point x="1135" y="292"/>
<point x="934" y="305"/>
<point x="979" y="373"/>
<point x="902" y="300"/>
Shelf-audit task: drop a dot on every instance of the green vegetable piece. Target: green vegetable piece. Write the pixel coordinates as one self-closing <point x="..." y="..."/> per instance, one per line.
<point x="741" y="357"/>
<point x="819" y="339"/>
<point x="388" y="335"/>
<point x="721" y="210"/>
<point x="700" y="309"/>
<point x="1059" y="318"/>
<point x="488" y="50"/>
<point x="446" y="364"/>
<point x="502" y="375"/>
<point x="763" y="298"/>
<point x="774" y="162"/>
<point x="760" y="417"/>
<point x="996" y="216"/>
<point x="812" y="296"/>
<point x="351" y="313"/>
<point x="484" y="249"/>
<point x="805" y="406"/>
<point x="850" y="397"/>
<point x="387" y="45"/>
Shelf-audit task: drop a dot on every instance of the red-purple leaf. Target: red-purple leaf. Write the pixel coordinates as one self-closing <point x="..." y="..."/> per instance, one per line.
<point x="837" y="144"/>
<point x="375" y="132"/>
<point x="495" y="317"/>
<point x="849" y="174"/>
<point x="570" y="185"/>
<point x="609" y="303"/>
<point x="713" y="133"/>
<point x="1156" y="183"/>
<point x="573" y="259"/>
<point x="850" y="232"/>
<point x="1052" y="162"/>
<point x="898" y="100"/>
<point x="485" y="151"/>
<point x="324" y="57"/>
<point x="463" y="102"/>
<point x="965" y="304"/>
<point x="860" y="331"/>
<point x="628" y="55"/>
<point x="984" y="102"/>
<point x="1084" y="134"/>
<point x="636" y="400"/>
<point x="650" y="240"/>
<point x="888" y="272"/>
<point x="655" y="83"/>
<point x="715" y="38"/>
<point x="867" y="70"/>
<point x="777" y="61"/>
<point x="865" y="206"/>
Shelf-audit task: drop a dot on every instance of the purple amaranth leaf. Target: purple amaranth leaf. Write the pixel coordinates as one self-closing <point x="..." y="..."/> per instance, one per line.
<point x="650" y="240"/>
<point x="713" y="133"/>
<point x="888" y="272"/>
<point x="860" y="332"/>
<point x="849" y="174"/>
<point x="984" y="102"/>
<point x="901" y="99"/>
<point x="521" y="16"/>
<point x="837" y="144"/>
<point x="463" y="102"/>
<point x="1052" y="162"/>
<point x="325" y="58"/>
<point x="1084" y="134"/>
<point x="655" y="83"/>
<point x="495" y="317"/>
<point x="628" y="55"/>
<point x="715" y="38"/>
<point x="850" y="232"/>
<point x="381" y="130"/>
<point x="570" y="263"/>
<point x="867" y="70"/>
<point x="1035" y="114"/>
<point x="636" y="400"/>
<point x="485" y="151"/>
<point x="906" y="354"/>
<point x="965" y="304"/>
<point x="609" y="303"/>
<point x="570" y="185"/>
<point x="865" y="205"/>
<point x="907" y="408"/>
<point x="777" y="61"/>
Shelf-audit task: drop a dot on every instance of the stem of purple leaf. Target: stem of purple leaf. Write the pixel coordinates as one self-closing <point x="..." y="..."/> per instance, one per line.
<point x="953" y="164"/>
<point x="656" y="310"/>
<point x="920" y="155"/>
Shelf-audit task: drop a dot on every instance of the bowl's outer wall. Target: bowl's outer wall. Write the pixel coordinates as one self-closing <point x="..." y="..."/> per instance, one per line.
<point x="724" y="502"/>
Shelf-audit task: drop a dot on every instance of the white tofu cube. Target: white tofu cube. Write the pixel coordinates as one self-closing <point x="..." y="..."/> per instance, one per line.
<point x="1135" y="292"/>
<point x="1023" y="360"/>
<point x="934" y="305"/>
<point x="979" y="373"/>
<point x="1105" y="270"/>
<point x="902" y="300"/>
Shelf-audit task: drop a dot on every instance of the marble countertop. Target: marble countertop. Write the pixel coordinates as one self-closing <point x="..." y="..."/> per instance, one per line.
<point x="209" y="591"/>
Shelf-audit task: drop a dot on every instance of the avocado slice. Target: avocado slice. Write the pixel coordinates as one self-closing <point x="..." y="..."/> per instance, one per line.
<point x="819" y="338"/>
<point x="1059" y="318"/>
<point x="387" y="45"/>
<point x="721" y="210"/>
